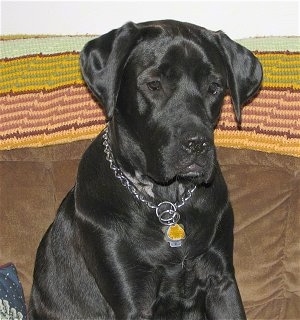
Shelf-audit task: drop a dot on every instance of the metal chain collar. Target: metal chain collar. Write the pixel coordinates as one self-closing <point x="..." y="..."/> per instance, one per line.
<point x="166" y="211"/>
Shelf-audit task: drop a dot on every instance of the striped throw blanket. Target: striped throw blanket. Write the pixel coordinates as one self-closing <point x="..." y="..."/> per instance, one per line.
<point x="44" y="101"/>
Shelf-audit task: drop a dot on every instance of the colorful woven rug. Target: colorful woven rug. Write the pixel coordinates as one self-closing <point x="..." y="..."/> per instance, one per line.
<point x="44" y="101"/>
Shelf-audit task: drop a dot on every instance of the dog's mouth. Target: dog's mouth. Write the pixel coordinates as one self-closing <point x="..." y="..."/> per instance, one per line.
<point x="193" y="173"/>
<point x="193" y="170"/>
<point x="196" y="173"/>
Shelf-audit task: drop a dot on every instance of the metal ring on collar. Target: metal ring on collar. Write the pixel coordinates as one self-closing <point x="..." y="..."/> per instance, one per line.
<point x="167" y="214"/>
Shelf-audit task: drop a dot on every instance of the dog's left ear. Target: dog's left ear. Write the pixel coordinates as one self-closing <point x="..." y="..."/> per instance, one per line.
<point x="244" y="72"/>
<point x="103" y="60"/>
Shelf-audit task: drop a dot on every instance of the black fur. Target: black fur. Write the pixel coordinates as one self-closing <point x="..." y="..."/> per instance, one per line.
<point x="162" y="85"/>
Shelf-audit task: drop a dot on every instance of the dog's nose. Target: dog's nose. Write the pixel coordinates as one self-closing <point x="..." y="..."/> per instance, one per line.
<point x="196" y="145"/>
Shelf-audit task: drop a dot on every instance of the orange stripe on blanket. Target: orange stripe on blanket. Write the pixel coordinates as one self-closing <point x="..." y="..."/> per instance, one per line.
<point x="64" y="115"/>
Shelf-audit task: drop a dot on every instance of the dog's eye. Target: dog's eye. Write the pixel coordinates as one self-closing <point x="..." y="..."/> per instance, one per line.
<point x="154" y="85"/>
<point x="214" y="88"/>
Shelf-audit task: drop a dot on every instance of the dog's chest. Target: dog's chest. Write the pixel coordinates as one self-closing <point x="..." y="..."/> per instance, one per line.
<point x="177" y="280"/>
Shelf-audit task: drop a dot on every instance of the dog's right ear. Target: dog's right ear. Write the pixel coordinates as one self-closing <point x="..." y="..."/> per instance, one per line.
<point x="102" y="63"/>
<point x="244" y="72"/>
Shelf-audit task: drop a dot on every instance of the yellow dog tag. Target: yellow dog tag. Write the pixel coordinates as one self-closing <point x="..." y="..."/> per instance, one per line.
<point x="174" y="235"/>
<point x="176" y="232"/>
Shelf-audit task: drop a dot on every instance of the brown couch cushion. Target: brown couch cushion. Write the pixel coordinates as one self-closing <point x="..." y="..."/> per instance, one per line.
<point x="264" y="190"/>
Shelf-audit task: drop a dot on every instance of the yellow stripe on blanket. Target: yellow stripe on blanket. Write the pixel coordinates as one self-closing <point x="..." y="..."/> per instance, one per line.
<point x="48" y="72"/>
<point x="64" y="135"/>
<point x="41" y="72"/>
<point x="259" y="142"/>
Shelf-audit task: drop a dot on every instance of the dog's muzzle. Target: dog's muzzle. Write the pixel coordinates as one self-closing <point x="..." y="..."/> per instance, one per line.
<point x="198" y="158"/>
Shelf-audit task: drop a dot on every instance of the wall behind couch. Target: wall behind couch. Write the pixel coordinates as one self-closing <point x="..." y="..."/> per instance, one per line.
<point x="237" y="18"/>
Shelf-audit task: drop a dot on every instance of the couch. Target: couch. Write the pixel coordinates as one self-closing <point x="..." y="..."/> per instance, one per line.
<point x="48" y="119"/>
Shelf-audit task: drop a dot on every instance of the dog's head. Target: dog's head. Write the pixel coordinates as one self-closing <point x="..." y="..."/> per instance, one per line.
<point x="162" y="85"/>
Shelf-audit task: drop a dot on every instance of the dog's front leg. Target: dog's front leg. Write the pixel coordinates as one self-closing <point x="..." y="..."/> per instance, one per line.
<point x="223" y="300"/>
<point x="125" y="283"/>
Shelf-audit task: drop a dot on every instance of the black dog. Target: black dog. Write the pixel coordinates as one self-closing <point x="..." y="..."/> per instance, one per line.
<point x="147" y="231"/>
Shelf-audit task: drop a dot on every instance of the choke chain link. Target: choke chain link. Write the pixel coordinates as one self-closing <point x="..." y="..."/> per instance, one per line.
<point x="166" y="211"/>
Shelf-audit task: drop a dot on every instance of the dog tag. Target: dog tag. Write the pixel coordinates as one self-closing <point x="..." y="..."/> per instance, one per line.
<point x="174" y="235"/>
